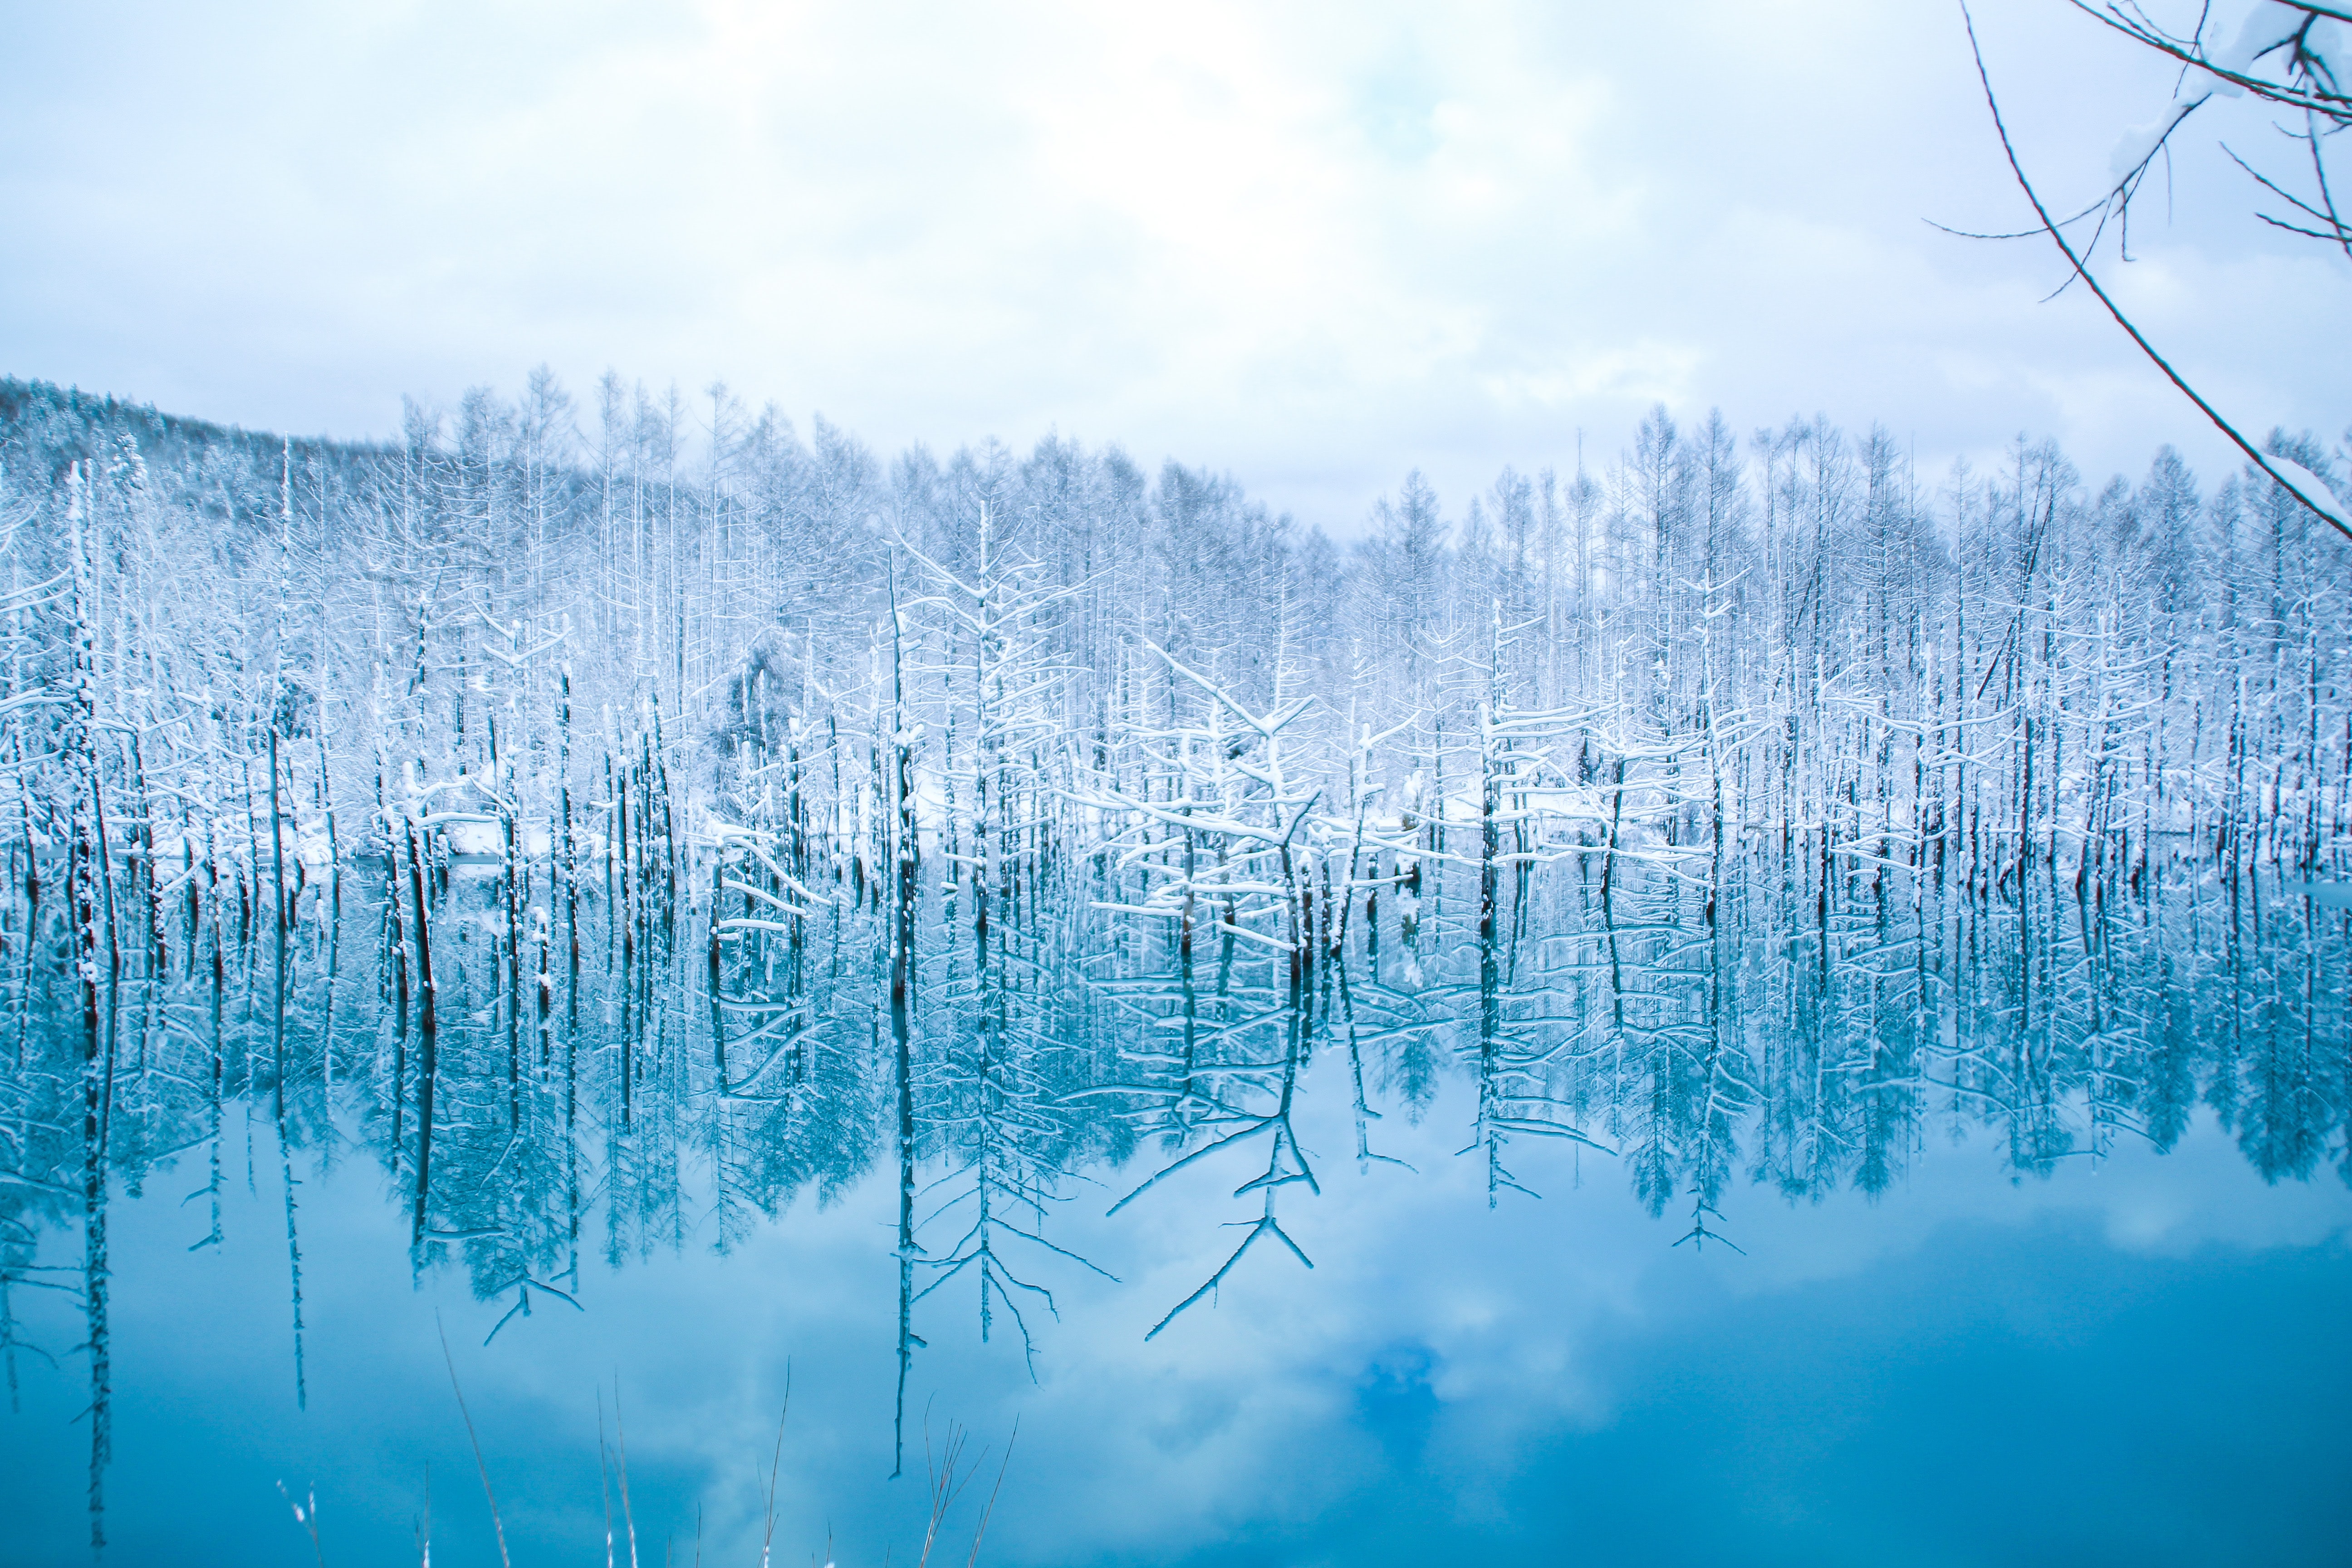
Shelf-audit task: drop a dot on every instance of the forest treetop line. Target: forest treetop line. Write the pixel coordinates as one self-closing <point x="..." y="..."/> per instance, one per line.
<point x="714" y="444"/>
<point x="1697" y="594"/>
<point x="44" y="426"/>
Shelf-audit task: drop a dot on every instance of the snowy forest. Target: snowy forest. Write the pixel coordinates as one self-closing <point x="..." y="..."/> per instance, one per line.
<point x="670" y="813"/>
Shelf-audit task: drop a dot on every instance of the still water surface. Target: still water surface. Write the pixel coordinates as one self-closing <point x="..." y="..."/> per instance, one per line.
<point x="1944" y="1228"/>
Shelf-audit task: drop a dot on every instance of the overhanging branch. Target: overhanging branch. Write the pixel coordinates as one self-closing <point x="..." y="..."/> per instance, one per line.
<point x="2327" y="514"/>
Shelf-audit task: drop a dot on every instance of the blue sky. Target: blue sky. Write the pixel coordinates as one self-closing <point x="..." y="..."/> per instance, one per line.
<point x="1315" y="246"/>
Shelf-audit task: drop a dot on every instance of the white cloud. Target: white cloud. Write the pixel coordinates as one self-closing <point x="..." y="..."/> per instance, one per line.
<point x="1316" y="246"/>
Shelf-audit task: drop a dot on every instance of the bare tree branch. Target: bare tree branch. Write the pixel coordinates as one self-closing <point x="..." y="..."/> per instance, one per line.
<point x="2331" y="515"/>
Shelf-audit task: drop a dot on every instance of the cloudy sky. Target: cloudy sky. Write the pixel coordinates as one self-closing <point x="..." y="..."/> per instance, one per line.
<point x="1313" y="244"/>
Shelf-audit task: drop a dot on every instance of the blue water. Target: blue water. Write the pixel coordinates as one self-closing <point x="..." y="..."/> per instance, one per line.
<point x="2052" y="1268"/>
<point x="2142" y="1361"/>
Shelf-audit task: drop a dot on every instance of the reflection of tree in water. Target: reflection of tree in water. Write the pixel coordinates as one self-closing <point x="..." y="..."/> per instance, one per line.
<point x="2062" y="1023"/>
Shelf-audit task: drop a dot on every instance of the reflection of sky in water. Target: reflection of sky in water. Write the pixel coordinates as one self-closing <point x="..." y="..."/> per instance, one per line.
<point x="2141" y="1361"/>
